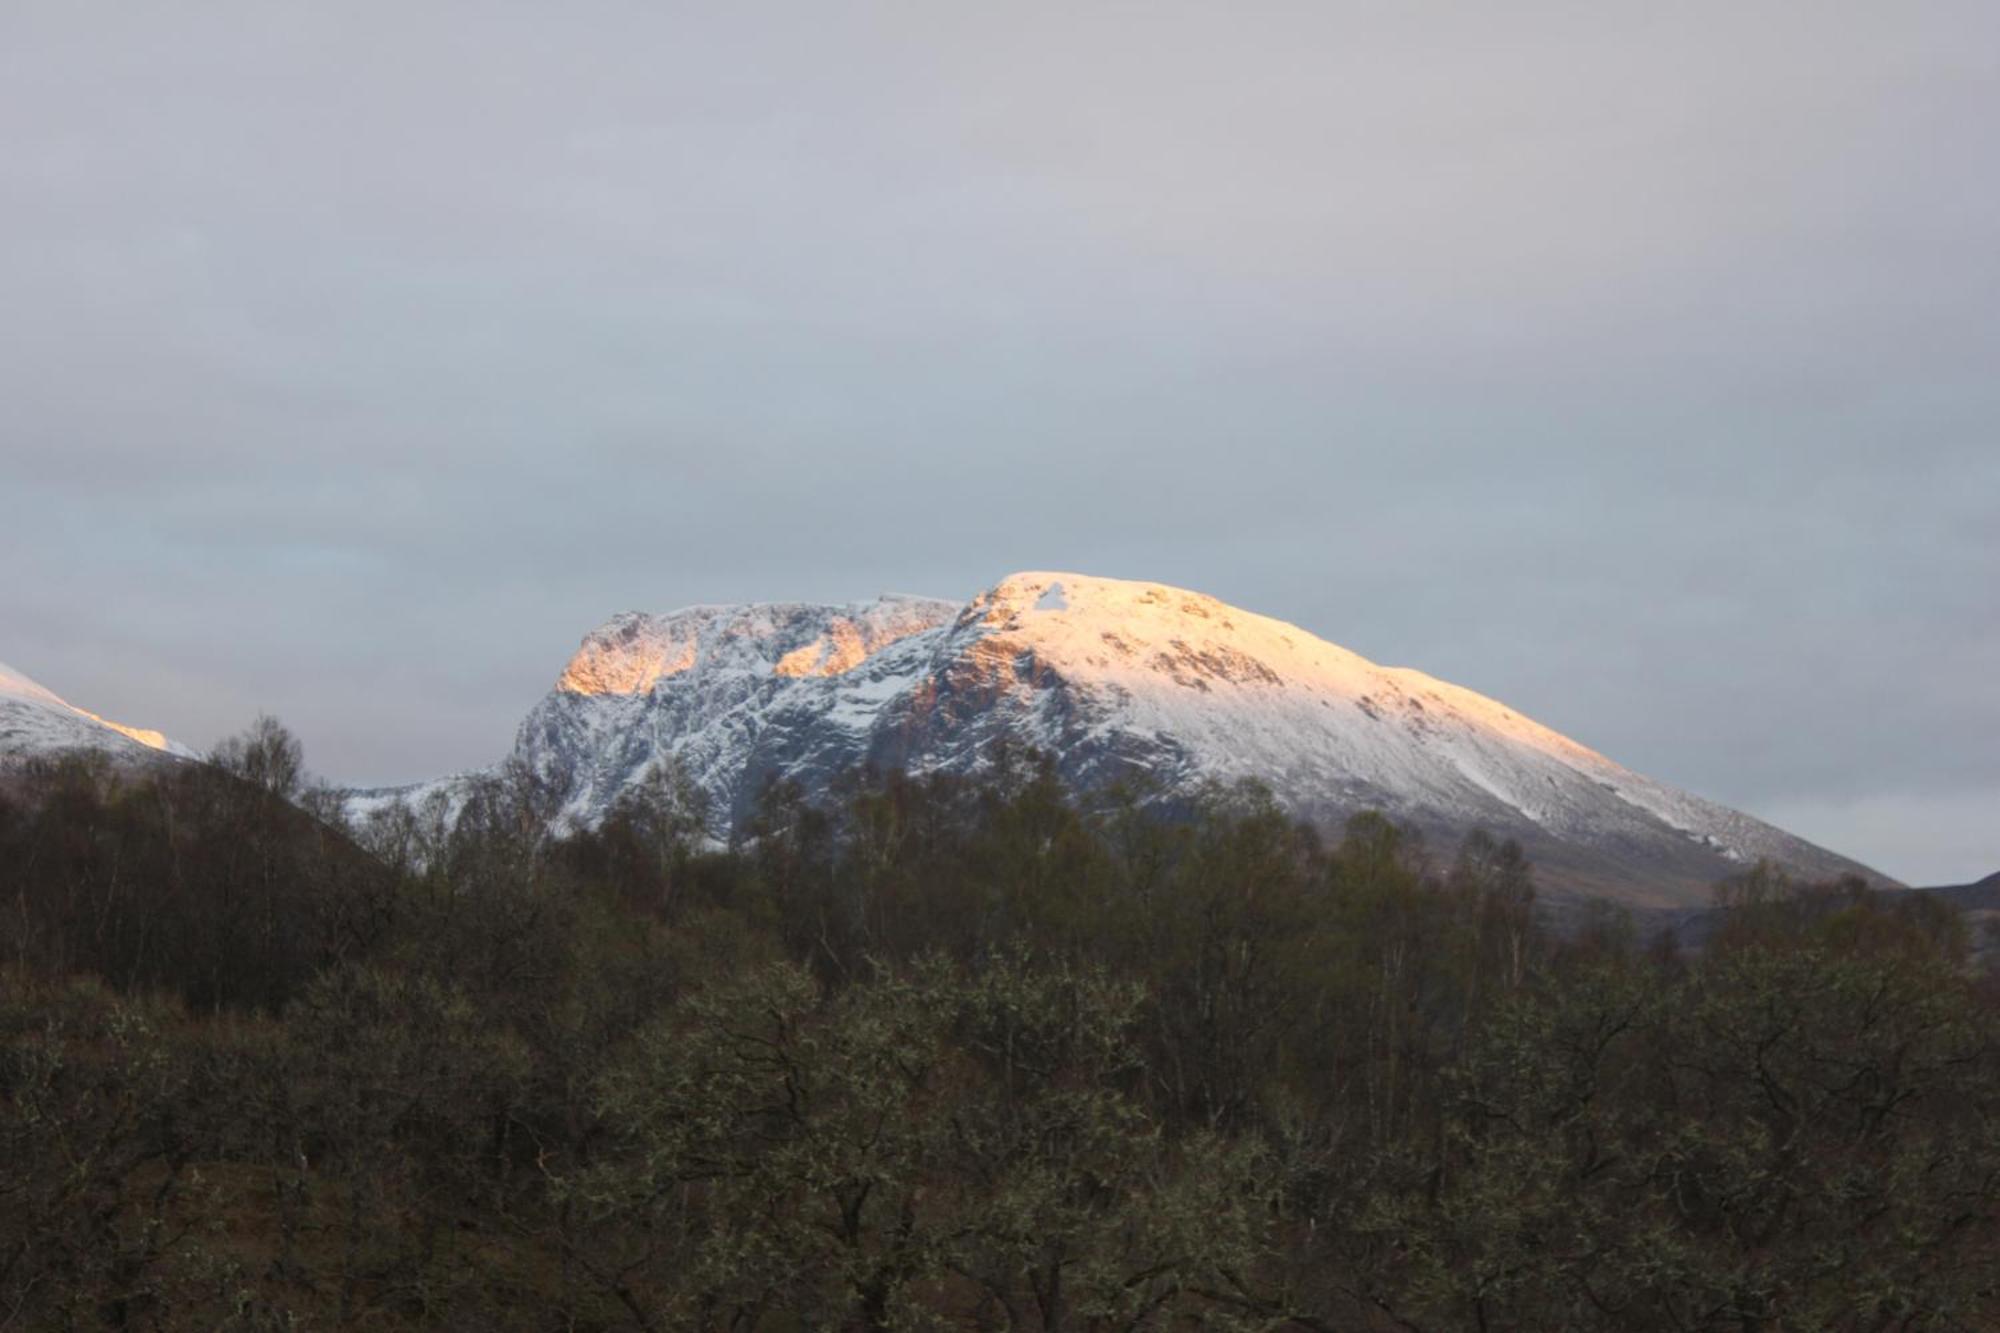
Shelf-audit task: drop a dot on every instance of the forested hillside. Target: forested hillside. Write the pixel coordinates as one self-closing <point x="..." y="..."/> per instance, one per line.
<point x="947" y="1054"/>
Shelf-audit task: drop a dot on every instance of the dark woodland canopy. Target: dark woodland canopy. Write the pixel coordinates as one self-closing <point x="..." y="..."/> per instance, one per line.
<point x="945" y="1054"/>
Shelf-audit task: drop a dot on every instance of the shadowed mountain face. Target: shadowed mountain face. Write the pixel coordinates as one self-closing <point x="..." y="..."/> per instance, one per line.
<point x="1116" y="680"/>
<point x="1980" y="895"/>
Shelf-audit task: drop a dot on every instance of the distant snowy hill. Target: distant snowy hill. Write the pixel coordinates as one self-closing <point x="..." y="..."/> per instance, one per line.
<point x="34" y="720"/>
<point x="1115" y="679"/>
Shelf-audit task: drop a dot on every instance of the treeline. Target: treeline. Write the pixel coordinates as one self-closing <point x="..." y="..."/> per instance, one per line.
<point x="938" y="1053"/>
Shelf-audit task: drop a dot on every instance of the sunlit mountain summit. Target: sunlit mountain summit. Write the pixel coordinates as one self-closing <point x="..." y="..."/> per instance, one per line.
<point x="35" y="720"/>
<point x="1167" y="689"/>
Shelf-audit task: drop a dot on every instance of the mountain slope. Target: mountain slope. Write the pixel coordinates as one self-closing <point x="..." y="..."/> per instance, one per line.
<point x="34" y="720"/>
<point x="1982" y="895"/>
<point x="1116" y="679"/>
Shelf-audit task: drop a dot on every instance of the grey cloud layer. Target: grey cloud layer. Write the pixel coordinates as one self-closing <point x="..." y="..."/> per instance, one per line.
<point x="1630" y="363"/>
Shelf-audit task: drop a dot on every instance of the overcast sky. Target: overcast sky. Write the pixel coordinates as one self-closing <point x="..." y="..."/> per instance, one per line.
<point x="1636" y="364"/>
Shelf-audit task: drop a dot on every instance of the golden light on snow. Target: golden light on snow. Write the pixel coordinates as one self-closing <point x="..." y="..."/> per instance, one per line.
<point x="1162" y="648"/>
<point x="633" y="653"/>
<point x="840" y="651"/>
<point x="602" y="669"/>
<point x="150" y="739"/>
<point x="14" y="684"/>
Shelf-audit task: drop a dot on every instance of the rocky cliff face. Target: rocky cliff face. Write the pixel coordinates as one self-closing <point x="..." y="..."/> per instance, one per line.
<point x="1115" y="679"/>
<point x="738" y="695"/>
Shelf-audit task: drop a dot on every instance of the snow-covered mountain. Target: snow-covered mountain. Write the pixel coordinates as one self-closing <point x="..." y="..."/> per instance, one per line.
<point x="1115" y="679"/>
<point x="34" y="720"/>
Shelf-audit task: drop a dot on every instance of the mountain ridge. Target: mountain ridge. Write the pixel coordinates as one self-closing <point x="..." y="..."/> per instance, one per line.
<point x="1116" y="679"/>
<point x="36" y="720"/>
